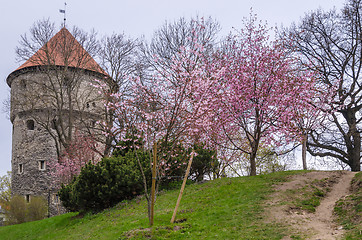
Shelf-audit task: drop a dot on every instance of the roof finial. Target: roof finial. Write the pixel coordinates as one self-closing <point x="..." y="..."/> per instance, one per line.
<point x="63" y="11"/>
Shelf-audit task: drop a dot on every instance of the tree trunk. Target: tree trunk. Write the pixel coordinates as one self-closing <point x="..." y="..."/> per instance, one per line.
<point x="253" y="163"/>
<point x="304" y="151"/>
<point x="356" y="165"/>
<point x="355" y="153"/>
<point x="109" y="138"/>
<point x="353" y="140"/>
<point x="153" y="182"/>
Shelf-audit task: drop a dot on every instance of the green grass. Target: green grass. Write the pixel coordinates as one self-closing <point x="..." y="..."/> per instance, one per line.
<point x="307" y="197"/>
<point x="349" y="210"/>
<point x="229" y="208"/>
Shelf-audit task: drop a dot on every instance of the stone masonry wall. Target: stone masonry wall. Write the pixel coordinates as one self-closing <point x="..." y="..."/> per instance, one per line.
<point x="32" y="145"/>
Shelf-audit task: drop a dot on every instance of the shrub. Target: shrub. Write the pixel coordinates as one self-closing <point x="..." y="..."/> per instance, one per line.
<point x="20" y="211"/>
<point x="131" y="140"/>
<point x="67" y="197"/>
<point x="37" y="208"/>
<point x="174" y="159"/>
<point x="105" y="184"/>
<point x="17" y="211"/>
<point x="203" y="163"/>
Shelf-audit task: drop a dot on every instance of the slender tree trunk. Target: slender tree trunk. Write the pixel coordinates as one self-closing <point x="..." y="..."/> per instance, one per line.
<point x="253" y="163"/>
<point x="149" y="209"/>
<point x="109" y="138"/>
<point x="144" y="183"/>
<point x="254" y="143"/>
<point x="153" y="182"/>
<point x="70" y="117"/>
<point x="304" y="150"/>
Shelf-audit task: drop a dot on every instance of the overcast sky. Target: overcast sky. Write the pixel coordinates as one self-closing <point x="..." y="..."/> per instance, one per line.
<point x="133" y="17"/>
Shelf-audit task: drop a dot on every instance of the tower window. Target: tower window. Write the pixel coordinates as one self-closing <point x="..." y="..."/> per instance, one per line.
<point x="20" y="168"/>
<point x="87" y="105"/>
<point x="27" y="198"/>
<point x="23" y="84"/>
<point x="30" y="124"/>
<point x="93" y="104"/>
<point x="55" y="198"/>
<point x="42" y="165"/>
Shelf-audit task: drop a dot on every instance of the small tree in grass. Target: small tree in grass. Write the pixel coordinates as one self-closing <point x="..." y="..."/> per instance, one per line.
<point x="166" y="109"/>
<point x="5" y="190"/>
<point x="17" y="212"/>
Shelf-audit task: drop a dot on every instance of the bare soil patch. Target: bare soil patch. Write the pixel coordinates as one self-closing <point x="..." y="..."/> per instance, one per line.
<point x="331" y="186"/>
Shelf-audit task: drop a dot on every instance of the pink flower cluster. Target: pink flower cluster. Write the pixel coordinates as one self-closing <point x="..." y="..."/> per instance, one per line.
<point x="77" y="154"/>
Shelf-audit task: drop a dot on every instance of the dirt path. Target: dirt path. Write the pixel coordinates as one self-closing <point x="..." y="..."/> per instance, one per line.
<point x="319" y="225"/>
<point x="323" y="220"/>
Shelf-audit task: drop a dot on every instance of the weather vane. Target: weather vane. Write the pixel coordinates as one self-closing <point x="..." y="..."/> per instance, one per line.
<point x="63" y="11"/>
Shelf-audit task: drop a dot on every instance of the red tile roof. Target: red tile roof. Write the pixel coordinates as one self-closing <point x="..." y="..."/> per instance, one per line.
<point x="63" y="50"/>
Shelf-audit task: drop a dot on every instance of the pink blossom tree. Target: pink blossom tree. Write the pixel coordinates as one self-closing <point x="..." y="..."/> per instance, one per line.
<point x="310" y="115"/>
<point x="78" y="153"/>
<point x="257" y="93"/>
<point x="168" y="107"/>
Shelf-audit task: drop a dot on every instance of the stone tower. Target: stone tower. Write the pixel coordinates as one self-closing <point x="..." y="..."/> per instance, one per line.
<point x="51" y="98"/>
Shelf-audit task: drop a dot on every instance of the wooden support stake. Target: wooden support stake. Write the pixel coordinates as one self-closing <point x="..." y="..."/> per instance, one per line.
<point x="182" y="187"/>
<point x="153" y="182"/>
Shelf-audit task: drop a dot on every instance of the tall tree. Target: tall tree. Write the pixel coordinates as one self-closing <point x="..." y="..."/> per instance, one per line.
<point x="331" y="45"/>
<point x="168" y="41"/>
<point x="260" y="87"/>
<point x="119" y="58"/>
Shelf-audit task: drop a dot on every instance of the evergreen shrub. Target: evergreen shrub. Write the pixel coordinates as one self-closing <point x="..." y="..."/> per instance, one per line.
<point x="103" y="185"/>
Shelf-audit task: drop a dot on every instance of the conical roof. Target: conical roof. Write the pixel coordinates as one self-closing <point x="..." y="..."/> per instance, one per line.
<point x="63" y="50"/>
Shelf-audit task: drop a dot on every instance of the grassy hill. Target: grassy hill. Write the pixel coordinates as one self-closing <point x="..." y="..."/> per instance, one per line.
<point x="229" y="208"/>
